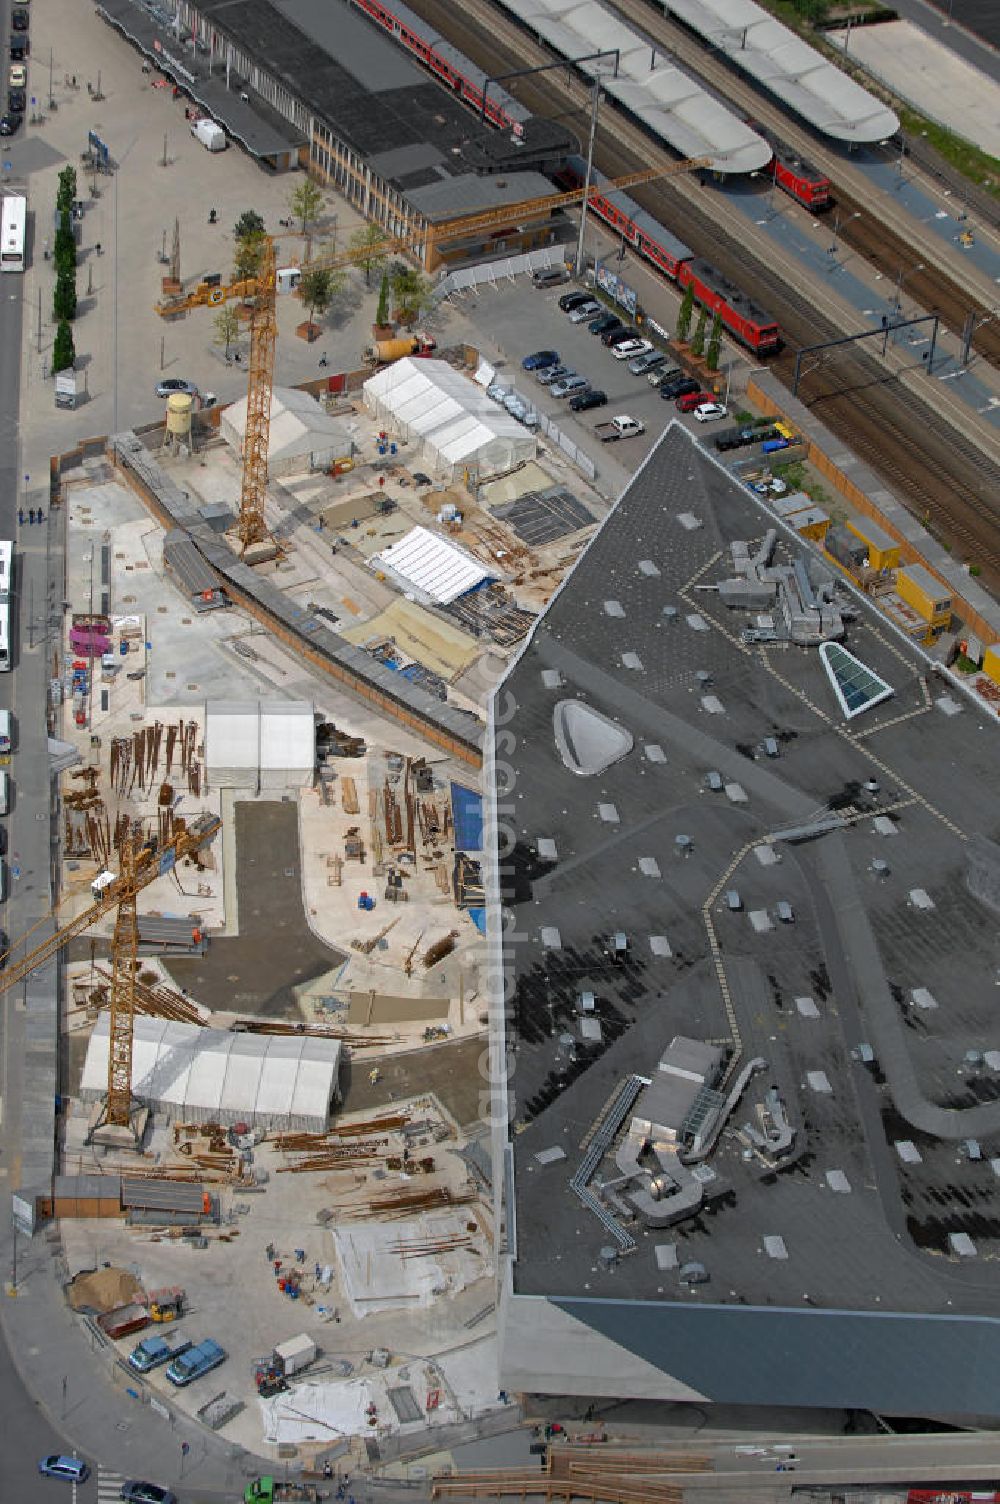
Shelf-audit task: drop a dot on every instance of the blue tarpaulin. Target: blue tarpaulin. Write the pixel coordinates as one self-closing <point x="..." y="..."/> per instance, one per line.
<point x="478" y="917"/>
<point x="467" y="814"/>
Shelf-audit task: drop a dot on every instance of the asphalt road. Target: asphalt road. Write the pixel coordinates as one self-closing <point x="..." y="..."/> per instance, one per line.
<point x="25" y="1436"/>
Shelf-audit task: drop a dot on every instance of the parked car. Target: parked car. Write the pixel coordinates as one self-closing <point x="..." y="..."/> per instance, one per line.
<point x="709" y="411"/>
<point x="629" y="347"/>
<point x="173" y="384"/>
<point x="18" y="76"/>
<point x="686" y="402"/>
<point x="552" y="374"/>
<point x="583" y="312"/>
<point x="540" y="360"/>
<point x="586" y="400"/>
<point x="137" y="1492"/>
<point x="513" y="401"/>
<point x="19" y="48"/>
<point x="574" y="299"/>
<point x="664" y="374"/>
<point x="569" y="386"/>
<point x="16" y="101"/>
<point x="549" y="276"/>
<point x="678" y="388"/>
<point x="73" y="1469"/>
<point x="9" y="124"/>
<point x="604" y="323"/>
<point x="497" y="391"/>
<point x="196" y="1362"/>
<point x="650" y="360"/>
<point x="19" y="20"/>
<point x="614" y="337"/>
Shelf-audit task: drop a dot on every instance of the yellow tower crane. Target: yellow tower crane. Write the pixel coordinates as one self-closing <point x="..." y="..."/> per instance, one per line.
<point x="140" y="862"/>
<point x="251" y="527"/>
<point x="424" y="240"/>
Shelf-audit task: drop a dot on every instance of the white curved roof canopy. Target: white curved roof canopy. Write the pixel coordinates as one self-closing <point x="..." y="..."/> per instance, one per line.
<point x="670" y="103"/>
<point x="817" y="90"/>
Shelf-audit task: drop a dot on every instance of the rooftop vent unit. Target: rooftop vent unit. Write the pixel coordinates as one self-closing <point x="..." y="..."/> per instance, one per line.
<point x="683" y="845"/>
<point x="608" y="1257"/>
<point x="693" y="1273"/>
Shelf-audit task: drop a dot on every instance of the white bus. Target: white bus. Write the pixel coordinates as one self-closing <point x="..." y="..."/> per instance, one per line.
<point x="6" y="568"/>
<point x="4" y="636"/>
<point x="12" y="231"/>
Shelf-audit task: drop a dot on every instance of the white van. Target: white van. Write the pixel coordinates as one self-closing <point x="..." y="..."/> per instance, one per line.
<point x="4" y="792"/>
<point x="5" y="733"/>
<point x="209" y="134"/>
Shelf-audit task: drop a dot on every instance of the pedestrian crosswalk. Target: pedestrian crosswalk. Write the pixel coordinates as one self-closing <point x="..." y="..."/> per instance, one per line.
<point x="109" y="1485"/>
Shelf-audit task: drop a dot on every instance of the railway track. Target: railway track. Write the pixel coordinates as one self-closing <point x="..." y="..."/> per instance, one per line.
<point x="943" y="478"/>
<point x="933" y="288"/>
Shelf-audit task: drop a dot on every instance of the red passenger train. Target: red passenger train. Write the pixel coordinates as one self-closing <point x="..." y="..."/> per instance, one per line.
<point x="745" y="320"/>
<point x="446" y="63"/>
<point x="792" y="173"/>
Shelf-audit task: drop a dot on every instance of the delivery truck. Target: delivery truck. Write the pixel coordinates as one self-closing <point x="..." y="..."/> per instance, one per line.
<point x="211" y="136"/>
<point x="268" y="1490"/>
<point x="621" y="427"/>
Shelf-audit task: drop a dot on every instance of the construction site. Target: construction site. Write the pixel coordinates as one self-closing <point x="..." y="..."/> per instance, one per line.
<point x="280" y="635"/>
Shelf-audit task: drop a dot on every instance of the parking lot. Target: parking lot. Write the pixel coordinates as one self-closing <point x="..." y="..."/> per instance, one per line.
<point x="517" y="319"/>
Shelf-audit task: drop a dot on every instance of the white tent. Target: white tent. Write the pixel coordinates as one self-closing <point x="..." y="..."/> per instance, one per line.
<point x="430" y="566"/>
<point x="448" y="420"/>
<point x="259" y="744"/>
<point x="302" y="436"/>
<point x="270" y="1081"/>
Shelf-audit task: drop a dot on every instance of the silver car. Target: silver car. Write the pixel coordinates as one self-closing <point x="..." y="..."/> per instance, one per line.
<point x="585" y="312"/>
<point x="554" y="373"/>
<point x="570" y="386"/>
<point x="650" y="361"/>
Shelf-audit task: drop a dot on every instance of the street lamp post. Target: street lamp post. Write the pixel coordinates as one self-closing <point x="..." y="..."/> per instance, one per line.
<point x="897" y="301"/>
<point x="832" y="250"/>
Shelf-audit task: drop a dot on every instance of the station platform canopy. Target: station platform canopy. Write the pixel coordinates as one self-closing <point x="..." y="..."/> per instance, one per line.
<point x="753" y="40"/>
<point x="668" y="102"/>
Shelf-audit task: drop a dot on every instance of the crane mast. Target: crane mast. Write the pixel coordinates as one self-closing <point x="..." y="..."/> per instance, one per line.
<point x="251" y="527"/>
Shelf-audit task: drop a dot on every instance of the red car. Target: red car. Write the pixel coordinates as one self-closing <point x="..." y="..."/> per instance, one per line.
<point x="688" y="403"/>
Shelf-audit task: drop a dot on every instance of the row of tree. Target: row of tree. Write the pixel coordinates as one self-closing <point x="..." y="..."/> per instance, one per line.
<point x="685" y="314"/>
<point x="64" y="258"/>
<point x="319" y="285"/>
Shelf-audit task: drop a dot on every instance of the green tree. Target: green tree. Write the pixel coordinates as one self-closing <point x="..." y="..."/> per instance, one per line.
<point x="63" y="353"/>
<point x="684" y="314"/>
<point x="249" y="223"/>
<point x="368" y="246"/>
<point x="248" y="257"/>
<point x="714" y="344"/>
<point x="66" y="192"/>
<point x="382" y="312"/>
<point x="698" y="343"/>
<point x="64" y="298"/>
<point x="65" y="243"/>
<point x="305" y="203"/>
<point x="227" y="326"/>
<point x="318" y="286"/>
<point x="411" y="292"/>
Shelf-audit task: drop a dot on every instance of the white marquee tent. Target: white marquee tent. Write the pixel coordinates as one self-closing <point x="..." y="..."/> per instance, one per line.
<point x="448" y="420"/>
<point x="259" y="744"/>
<point x="270" y="1081"/>
<point x="302" y="436"/>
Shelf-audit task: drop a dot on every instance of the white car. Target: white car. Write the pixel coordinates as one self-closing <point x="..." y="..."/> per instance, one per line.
<point x="515" y="404"/>
<point x="584" y="312"/>
<point x="496" y="391"/>
<point x="708" y="411"/>
<point x="630" y="347"/>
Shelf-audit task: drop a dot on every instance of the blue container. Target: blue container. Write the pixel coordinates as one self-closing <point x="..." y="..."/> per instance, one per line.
<point x="123" y="649"/>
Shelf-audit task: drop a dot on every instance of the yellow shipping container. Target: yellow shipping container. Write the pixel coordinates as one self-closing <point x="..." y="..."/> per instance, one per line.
<point x="883" y="550"/>
<point x="929" y="598"/>
<point x="991" y="663"/>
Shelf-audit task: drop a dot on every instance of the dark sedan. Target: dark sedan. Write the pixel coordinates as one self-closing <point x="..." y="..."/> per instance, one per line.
<point x="587" y="400"/>
<point x="19" y="20"/>
<point x="618" y="336"/>
<point x="9" y="124"/>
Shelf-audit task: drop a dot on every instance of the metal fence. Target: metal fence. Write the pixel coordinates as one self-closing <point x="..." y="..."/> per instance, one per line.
<point x="492" y="273"/>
